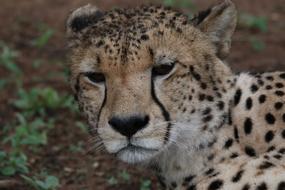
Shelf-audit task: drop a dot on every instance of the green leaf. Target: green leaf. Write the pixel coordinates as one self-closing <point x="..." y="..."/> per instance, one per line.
<point x="112" y="181"/>
<point x="7" y="57"/>
<point x="82" y="127"/>
<point x="8" y="171"/>
<point x="145" y="185"/>
<point x="43" y="39"/>
<point x="52" y="182"/>
<point x="125" y="175"/>
<point x="3" y="83"/>
<point x="49" y="183"/>
<point x="251" y="21"/>
<point x="257" y="44"/>
<point x="2" y="155"/>
<point x="169" y="2"/>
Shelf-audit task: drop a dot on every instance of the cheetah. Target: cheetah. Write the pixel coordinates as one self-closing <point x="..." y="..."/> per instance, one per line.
<point x="156" y="90"/>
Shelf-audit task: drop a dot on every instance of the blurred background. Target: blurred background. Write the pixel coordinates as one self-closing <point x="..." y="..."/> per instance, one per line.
<point x="44" y="143"/>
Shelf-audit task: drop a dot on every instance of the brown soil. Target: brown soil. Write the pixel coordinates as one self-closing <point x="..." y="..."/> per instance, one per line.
<point x="19" y="22"/>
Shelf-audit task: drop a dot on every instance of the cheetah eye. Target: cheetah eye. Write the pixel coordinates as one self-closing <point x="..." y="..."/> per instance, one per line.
<point x="95" y="77"/>
<point x="162" y="69"/>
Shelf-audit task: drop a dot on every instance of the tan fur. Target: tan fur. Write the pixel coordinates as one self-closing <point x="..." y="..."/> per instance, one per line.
<point x="196" y="136"/>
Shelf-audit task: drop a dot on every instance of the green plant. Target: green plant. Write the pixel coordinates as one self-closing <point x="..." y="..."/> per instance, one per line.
<point x="3" y="83"/>
<point x="125" y="176"/>
<point x="42" y="40"/>
<point x="112" y="181"/>
<point x="40" y="101"/>
<point x="78" y="147"/>
<point x="47" y="182"/>
<point x="82" y="127"/>
<point x="7" y="58"/>
<point x="145" y="184"/>
<point x="188" y="4"/>
<point x="254" y="22"/>
<point x="257" y="44"/>
<point x="37" y="63"/>
<point x="28" y="133"/>
<point x="12" y="163"/>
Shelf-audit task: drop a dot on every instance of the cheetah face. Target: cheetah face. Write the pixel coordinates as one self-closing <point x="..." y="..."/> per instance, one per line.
<point x="139" y="76"/>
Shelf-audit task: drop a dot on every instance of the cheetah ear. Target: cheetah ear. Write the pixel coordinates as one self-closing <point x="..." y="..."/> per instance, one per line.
<point x="218" y="23"/>
<point x="80" y="19"/>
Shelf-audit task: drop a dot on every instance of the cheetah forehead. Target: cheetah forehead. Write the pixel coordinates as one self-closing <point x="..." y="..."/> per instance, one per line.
<point x="123" y="31"/>
<point x="132" y="24"/>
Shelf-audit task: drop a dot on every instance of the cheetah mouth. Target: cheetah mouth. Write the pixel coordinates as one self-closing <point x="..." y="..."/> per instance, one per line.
<point x="135" y="148"/>
<point x="134" y="154"/>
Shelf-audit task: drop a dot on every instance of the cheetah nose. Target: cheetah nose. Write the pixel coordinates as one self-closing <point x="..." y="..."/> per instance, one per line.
<point x="128" y="126"/>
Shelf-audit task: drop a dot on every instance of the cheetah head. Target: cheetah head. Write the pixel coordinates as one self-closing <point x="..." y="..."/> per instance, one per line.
<point x="148" y="78"/>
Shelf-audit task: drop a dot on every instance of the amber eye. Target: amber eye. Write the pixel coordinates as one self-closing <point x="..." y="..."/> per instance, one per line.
<point x="95" y="77"/>
<point x="162" y="69"/>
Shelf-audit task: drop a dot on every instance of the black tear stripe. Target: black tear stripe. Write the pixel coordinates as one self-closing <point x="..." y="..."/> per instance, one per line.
<point x="77" y="87"/>
<point x="162" y="108"/>
<point x="102" y="105"/>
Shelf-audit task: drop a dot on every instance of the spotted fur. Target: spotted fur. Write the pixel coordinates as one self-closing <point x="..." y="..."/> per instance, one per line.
<point x="155" y="89"/>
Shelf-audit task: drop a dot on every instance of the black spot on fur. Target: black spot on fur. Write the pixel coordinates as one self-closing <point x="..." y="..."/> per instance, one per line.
<point x="253" y="88"/>
<point x="278" y="105"/>
<point x="207" y="111"/>
<point x="237" y="96"/>
<point x="279" y="85"/>
<point x="236" y="133"/>
<point x="210" y="98"/>
<point x="250" y="151"/>
<point x="266" y="165"/>
<point x="203" y="85"/>
<point x="279" y="93"/>
<point x="195" y="74"/>
<point x="246" y="187"/>
<point x="234" y="155"/>
<point x="189" y="178"/>
<point x="262" y="98"/>
<point x="247" y="126"/>
<point x="144" y="37"/>
<point x="238" y="176"/>
<point x="262" y="186"/>
<point x="211" y="157"/>
<point x="270" y="78"/>
<point x="192" y="187"/>
<point x="282" y="151"/>
<point x="228" y="143"/>
<point x="277" y="156"/>
<point x="208" y="118"/>
<point x="248" y="103"/>
<point x="281" y="185"/>
<point x="174" y="185"/>
<point x="221" y="105"/>
<point x="260" y="82"/>
<point x="271" y="148"/>
<point x="269" y="136"/>
<point x="282" y="75"/>
<point x="217" y="184"/>
<point x="283" y="134"/>
<point x="270" y="119"/>
<point x="209" y="171"/>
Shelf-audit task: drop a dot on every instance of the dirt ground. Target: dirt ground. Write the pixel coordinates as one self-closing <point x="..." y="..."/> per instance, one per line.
<point x="19" y="21"/>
